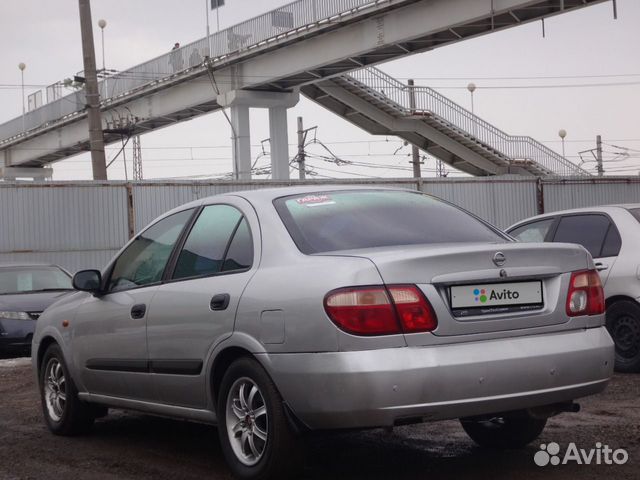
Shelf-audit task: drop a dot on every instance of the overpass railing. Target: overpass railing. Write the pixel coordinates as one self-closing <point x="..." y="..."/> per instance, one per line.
<point x="275" y="25"/>
<point x="425" y="101"/>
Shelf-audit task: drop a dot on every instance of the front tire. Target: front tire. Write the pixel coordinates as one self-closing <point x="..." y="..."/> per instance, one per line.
<point x="64" y="413"/>
<point x="623" y="323"/>
<point x="504" y="432"/>
<point x="256" y="438"/>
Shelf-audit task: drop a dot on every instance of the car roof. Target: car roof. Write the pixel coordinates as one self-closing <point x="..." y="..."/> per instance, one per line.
<point x="270" y="194"/>
<point x="598" y="209"/>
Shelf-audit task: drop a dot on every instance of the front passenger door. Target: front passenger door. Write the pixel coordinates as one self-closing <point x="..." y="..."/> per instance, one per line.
<point x="110" y="331"/>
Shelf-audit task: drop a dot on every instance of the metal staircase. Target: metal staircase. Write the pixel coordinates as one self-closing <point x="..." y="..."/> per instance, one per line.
<point x="382" y="105"/>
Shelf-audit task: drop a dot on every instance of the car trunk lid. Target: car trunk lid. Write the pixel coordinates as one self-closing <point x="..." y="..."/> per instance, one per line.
<point x="454" y="276"/>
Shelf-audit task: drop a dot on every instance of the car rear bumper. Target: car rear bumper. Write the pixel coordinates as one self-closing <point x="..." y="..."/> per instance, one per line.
<point x="401" y="385"/>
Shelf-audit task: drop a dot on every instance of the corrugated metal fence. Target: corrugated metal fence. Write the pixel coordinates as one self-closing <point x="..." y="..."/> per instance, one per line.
<point x="82" y="224"/>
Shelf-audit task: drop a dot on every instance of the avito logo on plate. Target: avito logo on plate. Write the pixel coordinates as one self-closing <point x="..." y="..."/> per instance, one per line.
<point x="481" y="295"/>
<point x="504" y="294"/>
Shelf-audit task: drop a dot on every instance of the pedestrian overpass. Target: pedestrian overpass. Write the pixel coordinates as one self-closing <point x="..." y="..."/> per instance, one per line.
<point x="318" y="47"/>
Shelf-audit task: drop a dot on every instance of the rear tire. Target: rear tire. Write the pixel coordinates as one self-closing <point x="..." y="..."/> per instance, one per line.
<point x="64" y="413"/>
<point x="623" y="323"/>
<point x="504" y="432"/>
<point x="257" y="440"/>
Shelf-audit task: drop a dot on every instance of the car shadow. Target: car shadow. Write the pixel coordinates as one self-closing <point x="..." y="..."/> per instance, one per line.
<point x="441" y="450"/>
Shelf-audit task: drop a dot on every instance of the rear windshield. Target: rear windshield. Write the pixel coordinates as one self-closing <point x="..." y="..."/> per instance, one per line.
<point x="635" y="212"/>
<point x="346" y="220"/>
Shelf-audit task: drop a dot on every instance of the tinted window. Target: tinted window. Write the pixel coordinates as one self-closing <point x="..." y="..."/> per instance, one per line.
<point x="635" y="212"/>
<point x="240" y="254"/>
<point x="612" y="243"/>
<point x="532" y="232"/>
<point x="586" y="230"/>
<point x="144" y="261"/>
<point x="204" y="251"/>
<point x="33" y="279"/>
<point x="326" y="222"/>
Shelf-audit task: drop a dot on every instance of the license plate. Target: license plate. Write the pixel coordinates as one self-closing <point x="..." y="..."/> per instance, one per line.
<point x="496" y="297"/>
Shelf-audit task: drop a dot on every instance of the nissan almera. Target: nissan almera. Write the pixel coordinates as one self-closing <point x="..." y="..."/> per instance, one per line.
<point x="274" y="313"/>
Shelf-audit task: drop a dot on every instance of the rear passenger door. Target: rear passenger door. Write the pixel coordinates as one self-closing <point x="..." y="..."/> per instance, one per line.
<point x="595" y="232"/>
<point x="195" y="309"/>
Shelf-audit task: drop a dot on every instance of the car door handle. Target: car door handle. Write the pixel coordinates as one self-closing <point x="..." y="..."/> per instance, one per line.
<point x="220" y="302"/>
<point x="138" y="311"/>
<point x="601" y="267"/>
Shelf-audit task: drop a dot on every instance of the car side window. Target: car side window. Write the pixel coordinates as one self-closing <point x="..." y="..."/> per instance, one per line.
<point x="612" y="243"/>
<point x="206" y="248"/>
<point x="533" y="232"/>
<point x="144" y="261"/>
<point x="586" y="230"/>
<point x="240" y="254"/>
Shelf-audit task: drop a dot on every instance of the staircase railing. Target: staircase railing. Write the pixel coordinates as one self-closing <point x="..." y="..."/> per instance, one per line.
<point x="428" y="102"/>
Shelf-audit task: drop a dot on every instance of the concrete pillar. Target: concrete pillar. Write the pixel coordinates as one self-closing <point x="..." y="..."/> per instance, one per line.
<point x="241" y="141"/>
<point x="279" y="143"/>
<point x="240" y="101"/>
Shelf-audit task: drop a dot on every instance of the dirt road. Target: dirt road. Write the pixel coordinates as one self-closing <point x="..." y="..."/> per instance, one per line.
<point x="134" y="446"/>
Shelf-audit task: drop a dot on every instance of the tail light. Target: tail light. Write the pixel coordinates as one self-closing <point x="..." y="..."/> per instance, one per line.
<point x="586" y="295"/>
<point x="380" y="310"/>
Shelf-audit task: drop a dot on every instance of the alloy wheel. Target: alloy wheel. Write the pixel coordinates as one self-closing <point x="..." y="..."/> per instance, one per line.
<point x="247" y="421"/>
<point x="55" y="390"/>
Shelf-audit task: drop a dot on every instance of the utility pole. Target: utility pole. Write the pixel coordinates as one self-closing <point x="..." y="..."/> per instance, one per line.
<point x="96" y="138"/>
<point x="302" y="156"/>
<point x="415" y="151"/>
<point x="137" y="159"/>
<point x="599" y="155"/>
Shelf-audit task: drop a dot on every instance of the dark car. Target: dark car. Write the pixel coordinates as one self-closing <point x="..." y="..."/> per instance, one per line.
<point x="25" y="292"/>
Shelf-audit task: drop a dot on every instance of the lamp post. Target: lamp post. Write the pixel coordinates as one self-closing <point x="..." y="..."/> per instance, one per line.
<point x="562" y="134"/>
<point x="472" y="88"/>
<point x="102" y="24"/>
<point x="22" y="66"/>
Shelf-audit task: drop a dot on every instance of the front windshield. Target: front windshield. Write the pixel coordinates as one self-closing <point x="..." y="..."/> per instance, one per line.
<point x="14" y="280"/>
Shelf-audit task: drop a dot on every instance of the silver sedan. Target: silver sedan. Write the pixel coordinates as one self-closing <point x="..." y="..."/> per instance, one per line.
<point x="279" y="312"/>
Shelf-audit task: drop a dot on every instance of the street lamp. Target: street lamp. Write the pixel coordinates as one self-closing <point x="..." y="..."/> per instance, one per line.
<point x="102" y="24"/>
<point x="472" y="88"/>
<point x="22" y="66"/>
<point x="562" y="134"/>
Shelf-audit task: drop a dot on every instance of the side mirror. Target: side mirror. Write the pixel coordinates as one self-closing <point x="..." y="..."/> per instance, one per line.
<point x="88" y="281"/>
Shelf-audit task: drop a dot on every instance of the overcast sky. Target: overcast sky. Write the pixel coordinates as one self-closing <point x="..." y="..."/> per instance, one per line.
<point x="583" y="77"/>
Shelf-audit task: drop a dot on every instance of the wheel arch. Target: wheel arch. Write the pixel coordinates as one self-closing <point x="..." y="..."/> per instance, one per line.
<point x="220" y="365"/>
<point x="619" y="298"/>
<point x="45" y="343"/>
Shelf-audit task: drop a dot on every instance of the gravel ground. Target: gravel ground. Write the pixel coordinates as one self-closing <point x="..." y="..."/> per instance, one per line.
<point x="127" y="445"/>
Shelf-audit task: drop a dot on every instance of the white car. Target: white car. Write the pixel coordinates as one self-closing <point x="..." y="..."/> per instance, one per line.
<point x="612" y="235"/>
